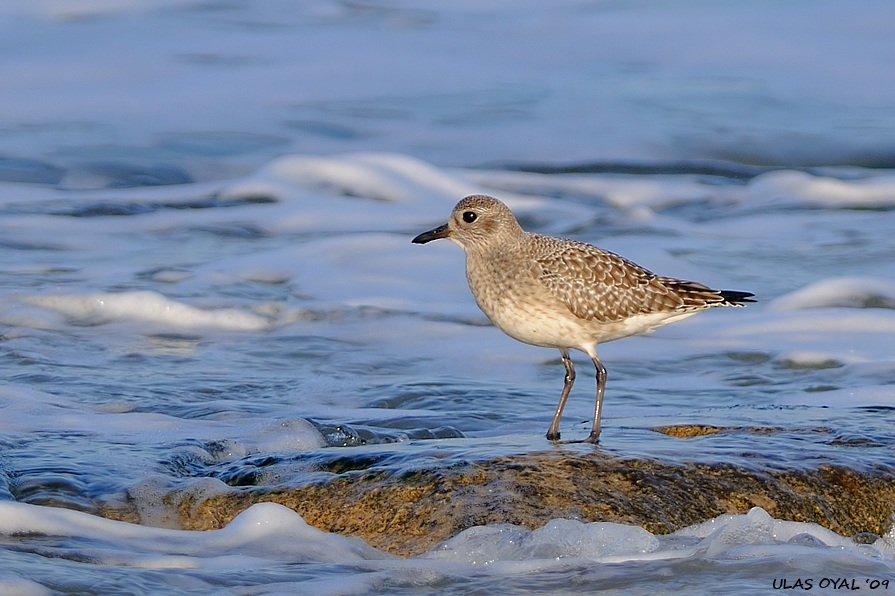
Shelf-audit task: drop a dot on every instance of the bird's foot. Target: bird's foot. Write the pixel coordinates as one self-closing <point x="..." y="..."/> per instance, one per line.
<point x="593" y="438"/>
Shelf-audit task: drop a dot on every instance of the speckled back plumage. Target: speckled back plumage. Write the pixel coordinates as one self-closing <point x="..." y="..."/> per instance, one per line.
<point x="598" y="285"/>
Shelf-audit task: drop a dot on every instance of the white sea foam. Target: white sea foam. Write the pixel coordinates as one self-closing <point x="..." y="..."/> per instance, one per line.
<point x="267" y="536"/>
<point x="378" y="176"/>
<point x="840" y="291"/>
<point x="807" y="189"/>
<point x="558" y="538"/>
<point x="264" y="531"/>
<point x="148" y="307"/>
<point x="639" y="195"/>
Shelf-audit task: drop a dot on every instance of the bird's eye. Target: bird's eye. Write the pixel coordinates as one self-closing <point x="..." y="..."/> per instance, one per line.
<point x="469" y="216"/>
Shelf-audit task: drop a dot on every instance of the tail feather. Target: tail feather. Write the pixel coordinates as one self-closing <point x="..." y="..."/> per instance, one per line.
<point x="735" y="298"/>
<point x="696" y="295"/>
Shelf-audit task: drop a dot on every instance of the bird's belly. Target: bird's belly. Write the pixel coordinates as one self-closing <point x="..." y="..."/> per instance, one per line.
<point x="638" y="324"/>
<point x="536" y="324"/>
<point x="551" y="327"/>
<point x="534" y="327"/>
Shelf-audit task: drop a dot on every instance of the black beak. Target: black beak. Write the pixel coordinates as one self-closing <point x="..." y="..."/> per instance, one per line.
<point x="439" y="232"/>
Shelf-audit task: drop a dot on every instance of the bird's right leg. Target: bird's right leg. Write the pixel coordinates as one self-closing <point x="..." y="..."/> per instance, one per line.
<point x="568" y="381"/>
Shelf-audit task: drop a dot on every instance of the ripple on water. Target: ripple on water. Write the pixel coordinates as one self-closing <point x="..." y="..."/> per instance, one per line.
<point x="54" y="487"/>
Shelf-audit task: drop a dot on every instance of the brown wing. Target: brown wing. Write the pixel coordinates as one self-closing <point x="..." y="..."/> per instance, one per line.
<point x="596" y="284"/>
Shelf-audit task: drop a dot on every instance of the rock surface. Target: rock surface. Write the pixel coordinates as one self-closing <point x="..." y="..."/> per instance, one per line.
<point x="408" y="513"/>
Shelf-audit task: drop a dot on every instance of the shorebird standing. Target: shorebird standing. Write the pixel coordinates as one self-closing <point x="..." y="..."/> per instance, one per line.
<point x="564" y="294"/>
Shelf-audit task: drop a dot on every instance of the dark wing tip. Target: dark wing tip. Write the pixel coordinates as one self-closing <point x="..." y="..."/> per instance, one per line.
<point x="735" y="298"/>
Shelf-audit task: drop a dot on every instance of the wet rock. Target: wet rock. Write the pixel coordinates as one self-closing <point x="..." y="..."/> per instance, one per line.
<point x="686" y="431"/>
<point x="408" y="513"/>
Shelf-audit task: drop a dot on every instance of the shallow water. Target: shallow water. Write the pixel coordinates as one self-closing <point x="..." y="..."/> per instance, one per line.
<point x="212" y="284"/>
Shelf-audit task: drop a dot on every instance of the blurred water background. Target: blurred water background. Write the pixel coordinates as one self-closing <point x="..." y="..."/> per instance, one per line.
<point x="207" y="278"/>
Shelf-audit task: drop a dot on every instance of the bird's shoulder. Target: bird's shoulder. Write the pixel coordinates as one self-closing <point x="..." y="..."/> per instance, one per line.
<point x="570" y="260"/>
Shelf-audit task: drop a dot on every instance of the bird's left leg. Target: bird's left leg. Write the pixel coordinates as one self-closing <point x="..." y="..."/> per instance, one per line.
<point x="594" y="436"/>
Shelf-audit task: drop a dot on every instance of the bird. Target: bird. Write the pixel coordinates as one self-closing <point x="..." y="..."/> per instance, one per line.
<point x="565" y="294"/>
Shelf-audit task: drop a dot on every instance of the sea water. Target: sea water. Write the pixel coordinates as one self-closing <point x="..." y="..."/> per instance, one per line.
<point x="205" y="261"/>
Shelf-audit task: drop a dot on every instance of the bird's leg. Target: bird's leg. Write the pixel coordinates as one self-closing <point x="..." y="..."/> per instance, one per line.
<point x="568" y="380"/>
<point x="594" y="436"/>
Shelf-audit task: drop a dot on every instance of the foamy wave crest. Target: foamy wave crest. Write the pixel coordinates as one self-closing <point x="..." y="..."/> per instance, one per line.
<point x="268" y="533"/>
<point x="860" y="292"/>
<point x="264" y="531"/>
<point x="753" y="535"/>
<point x="824" y="191"/>
<point x="381" y="176"/>
<point x="148" y="307"/>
